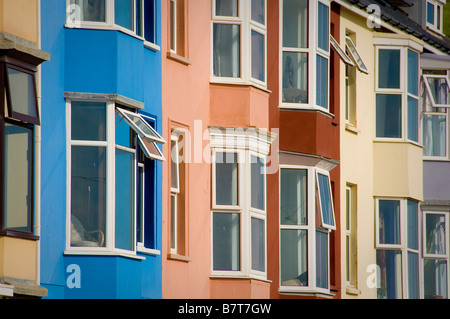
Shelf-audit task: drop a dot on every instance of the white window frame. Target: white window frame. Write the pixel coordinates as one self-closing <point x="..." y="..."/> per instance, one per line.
<point x="244" y="210"/>
<point x="110" y="145"/>
<point x="402" y="247"/>
<point x="439" y="158"/>
<point x="402" y="91"/>
<point x="174" y="191"/>
<point x="348" y="234"/>
<point x="437" y="14"/>
<point x="246" y="26"/>
<point x="324" y="225"/>
<point x="311" y="228"/>
<point x="355" y="56"/>
<point x="447" y="243"/>
<point x="341" y="53"/>
<point x="110" y="25"/>
<point x="312" y="51"/>
<point x="428" y="89"/>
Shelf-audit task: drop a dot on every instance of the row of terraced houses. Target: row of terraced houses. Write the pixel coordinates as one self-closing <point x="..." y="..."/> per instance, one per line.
<point x="224" y="149"/>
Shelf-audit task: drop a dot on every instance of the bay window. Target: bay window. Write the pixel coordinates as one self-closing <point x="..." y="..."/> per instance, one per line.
<point x="239" y="41"/>
<point x="398" y="248"/>
<point x="306" y="220"/>
<point x="238" y="209"/>
<point x="106" y="172"/>
<point x="397" y="96"/>
<point x="137" y="17"/>
<point x="305" y="47"/>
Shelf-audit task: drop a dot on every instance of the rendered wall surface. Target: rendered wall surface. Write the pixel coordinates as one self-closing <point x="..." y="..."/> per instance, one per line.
<point x="20" y="18"/>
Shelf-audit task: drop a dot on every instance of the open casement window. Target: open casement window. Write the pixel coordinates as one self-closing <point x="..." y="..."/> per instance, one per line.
<point x="337" y="48"/>
<point x="325" y="201"/>
<point x="438" y="90"/>
<point x="21" y="94"/>
<point x="355" y="56"/>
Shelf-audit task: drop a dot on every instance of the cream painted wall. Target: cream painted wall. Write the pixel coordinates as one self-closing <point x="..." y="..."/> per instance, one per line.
<point x="357" y="158"/>
<point x="20" y="18"/>
<point x="18" y="258"/>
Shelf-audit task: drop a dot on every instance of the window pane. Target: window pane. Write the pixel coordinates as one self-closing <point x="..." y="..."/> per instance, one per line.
<point x="258" y="180"/>
<point x="413" y="120"/>
<point x="123" y="13"/>
<point x="226" y="50"/>
<point x="174" y="166"/>
<point x="435" y="234"/>
<point x="88" y="196"/>
<point x="389" y="115"/>
<point x="124" y="219"/>
<point x="435" y="279"/>
<point x="322" y="82"/>
<point x="413" y="72"/>
<point x="138" y="25"/>
<point x="18" y="179"/>
<point x="322" y="259"/>
<point x="173" y="221"/>
<point x="439" y="90"/>
<point x="434" y="135"/>
<point x="227" y="8"/>
<point x="140" y="205"/>
<point x="226" y="242"/>
<point x="389" y="69"/>
<point x="413" y="275"/>
<point x="123" y="134"/>
<point x="325" y="199"/>
<point x="430" y="13"/>
<point x="390" y="285"/>
<point x="294" y="257"/>
<point x="92" y="11"/>
<point x="22" y="92"/>
<point x="88" y="121"/>
<point x="413" y="225"/>
<point x="323" y="37"/>
<point x="295" y="23"/>
<point x="258" y="56"/>
<point x="258" y="11"/>
<point x="173" y="24"/>
<point x="149" y="20"/>
<point x="293" y="197"/>
<point x="295" y="77"/>
<point x="389" y="221"/>
<point x="226" y="178"/>
<point x="258" y="244"/>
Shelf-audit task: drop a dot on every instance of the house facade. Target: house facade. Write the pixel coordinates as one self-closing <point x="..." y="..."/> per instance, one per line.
<point x="20" y="134"/>
<point x="102" y="149"/>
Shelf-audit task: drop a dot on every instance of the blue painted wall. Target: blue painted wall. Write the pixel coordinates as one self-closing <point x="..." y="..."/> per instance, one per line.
<point x="92" y="61"/>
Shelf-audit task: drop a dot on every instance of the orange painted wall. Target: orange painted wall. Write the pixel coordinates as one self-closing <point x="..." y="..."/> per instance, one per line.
<point x="185" y="99"/>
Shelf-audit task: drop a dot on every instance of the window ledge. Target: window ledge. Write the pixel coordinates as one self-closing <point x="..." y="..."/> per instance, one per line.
<point x="18" y="234"/>
<point x="237" y="277"/>
<point x="148" y="251"/>
<point x="306" y="108"/>
<point x="435" y="159"/>
<point x="239" y="83"/>
<point x="326" y="295"/>
<point x="179" y="258"/>
<point x="178" y="58"/>
<point x="70" y="252"/>
<point x="351" y="129"/>
<point x="350" y="290"/>
<point x="396" y="140"/>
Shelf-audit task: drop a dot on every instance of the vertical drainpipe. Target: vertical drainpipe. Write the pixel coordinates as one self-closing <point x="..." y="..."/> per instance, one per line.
<point x="37" y="141"/>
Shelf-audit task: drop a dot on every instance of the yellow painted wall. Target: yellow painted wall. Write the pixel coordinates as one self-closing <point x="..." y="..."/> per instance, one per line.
<point x="18" y="258"/>
<point x="20" y="18"/>
<point x="357" y="158"/>
<point x="398" y="170"/>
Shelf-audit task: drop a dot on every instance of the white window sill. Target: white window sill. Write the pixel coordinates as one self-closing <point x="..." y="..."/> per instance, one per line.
<point x="306" y="107"/>
<point x="148" y="251"/>
<point x="396" y="140"/>
<point x="147" y="44"/>
<point x="239" y="277"/>
<point x="237" y="81"/>
<point x="82" y="252"/>
<point x="351" y="290"/>
<point x="178" y="58"/>
<point x="436" y="159"/>
<point x="304" y="292"/>
<point x="352" y="129"/>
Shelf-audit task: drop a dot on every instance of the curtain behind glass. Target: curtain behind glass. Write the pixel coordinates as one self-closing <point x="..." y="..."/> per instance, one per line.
<point x="390" y="284"/>
<point x="435" y="279"/>
<point x="435" y="234"/>
<point x="389" y="222"/>
<point x="18" y="179"/>
<point x="295" y="77"/>
<point x="226" y="50"/>
<point x="294" y="258"/>
<point x="91" y="10"/>
<point x="227" y="8"/>
<point x="434" y="135"/>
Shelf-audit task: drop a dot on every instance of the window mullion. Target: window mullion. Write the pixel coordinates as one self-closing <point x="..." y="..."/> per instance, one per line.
<point x="110" y="177"/>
